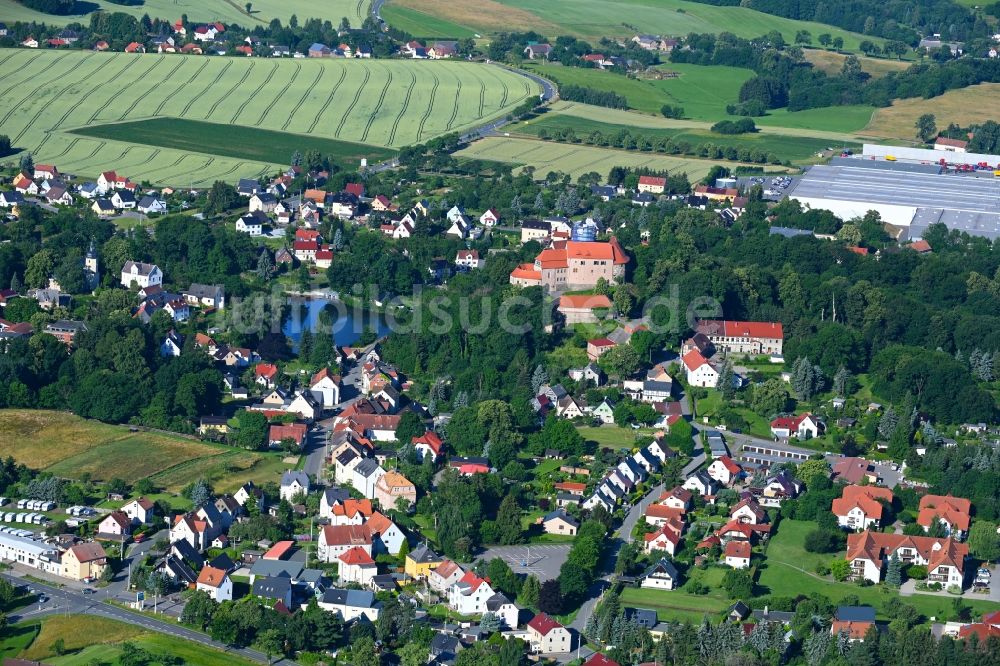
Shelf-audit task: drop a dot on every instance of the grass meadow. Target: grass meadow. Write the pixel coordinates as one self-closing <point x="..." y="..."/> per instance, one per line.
<point x="47" y="96"/>
<point x="793" y="148"/>
<point x="593" y="19"/>
<point x="226" y="11"/>
<point x="704" y="91"/>
<point x="423" y="25"/>
<point x="965" y="106"/>
<point x="69" y="446"/>
<point x="578" y="159"/>
<point x="88" y="639"/>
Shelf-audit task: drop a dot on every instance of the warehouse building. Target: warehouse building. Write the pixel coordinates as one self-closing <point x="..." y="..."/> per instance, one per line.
<point x="909" y="196"/>
<point x="29" y="552"/>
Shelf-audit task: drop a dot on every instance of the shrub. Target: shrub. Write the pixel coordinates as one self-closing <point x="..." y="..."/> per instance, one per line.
<point x="916" y="572"/>
<point x="823" y="541"/>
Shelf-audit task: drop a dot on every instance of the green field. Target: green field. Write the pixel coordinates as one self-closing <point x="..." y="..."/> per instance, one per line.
<point x="46" y="96"/>
<point x="794" y="148"/>
<point x="578" y="159"/>
<point x="89" y="640"/>
<point x="226" y="11"/>
<point x="245" y="143"/>
<point x="703" y="91"/>
<point x="789" y="573"/>
<point x="69" y="446"/>
<point x="593" y="19"/>
<point x="423" y="25"/>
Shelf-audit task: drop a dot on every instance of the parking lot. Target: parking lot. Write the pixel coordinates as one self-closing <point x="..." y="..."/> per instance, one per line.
<point x="542" y="561"/>
<point x="774" y="187"/>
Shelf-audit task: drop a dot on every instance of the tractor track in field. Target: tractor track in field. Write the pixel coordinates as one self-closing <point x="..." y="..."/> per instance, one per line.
<point x="69" y="147"/>
<point x="302" y="100"/>
<point x="482" y="94"/>
<point x="229" y="92"/>
<point x="44" y="69"/>
<point x="186" y="83"/>
<point x="91" y="91"/>
<point x="354" y="102"/>
<point x="169" y="166"/>
<point x="270" y="75"/>
<point x="3" y="62"/>
<point x="34" y="92"/>
<point x="378" y="106"/>
<point x="277" y="98"/>
<point x="329" y="99"/>
<point x="134" y="81"/>
<point x="402" y="111"/>
<point x="139" y="99"/>
<point x="430" y="107"/>
<point x="34" y="119"/>
<point x="454" y="111"/>
<point x="211" y="84"/>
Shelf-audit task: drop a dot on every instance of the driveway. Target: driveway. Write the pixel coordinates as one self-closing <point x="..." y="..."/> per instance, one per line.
<point x="541" y="560"/>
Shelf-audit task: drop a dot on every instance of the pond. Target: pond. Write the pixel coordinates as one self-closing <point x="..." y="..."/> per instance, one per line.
<point x="344" y="323"/>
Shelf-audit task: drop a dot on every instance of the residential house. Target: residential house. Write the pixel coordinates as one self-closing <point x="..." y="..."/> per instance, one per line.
<point x="598" y="347"/>
<point x="860" y="507"/>
<point x="490" y="218"/>
<point x="393" y="487"/>
<point x="736" y="554"/>
<point x="854" y="471"/>
<point x="356" y="565"/>
<point x="206" y="295"/>
<point x="604" y="412"/>
<point x="469" y="259"/>
<point x="387" y="537"/>
<point x="748" y="511"/>
<point x="803" y="426"/>
<point x="444" y="575"/>
<point x="141" y="274"/>
<point x="84" y="562"/>
<point x="420" y="561"/>
<point x="252" y="223"/>
<point x="853" y="622"/>
<point x="215" y="583"/>
<point x="868" y="553"/>
<point x="652" y="184"/>
<point x="661" y="575"/>
<point x="273" y="589"/>
<point x="725" y="470"/>
<point x="701" y="483"/>
<point x="700" y="372"/>
<point x="292" y="484"/>
<point x="325" y="387"/>
<point x="538" y="51"/>
<point x="65" y="331"/>
<point x="469" y="594"/>
<point x="266" y="374"/>
<point x="140" y="510"/>
<point x="172" y="344"/>
<point x="428" y="444"/>
<point x="115" y="524"/>
<point x="560" y="522"/>
<point x="335" y="540"/>
<point x="667" y="538"/>
<point x="151" y="204"/>
<point x="546" y="636"/>
<point x="295" y="432"/>
<point x="589" y="373"/>
<point x="350" y="604"/>
<point x="951" y="512"/>
<point x="677" y="498"/>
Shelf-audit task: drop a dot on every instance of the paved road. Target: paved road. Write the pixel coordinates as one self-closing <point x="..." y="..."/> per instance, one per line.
<point x="69" y="600"/>
<point x="540" y="560"/>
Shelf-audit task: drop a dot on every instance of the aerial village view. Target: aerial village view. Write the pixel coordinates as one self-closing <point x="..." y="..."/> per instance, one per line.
<point x="500" y="332"/>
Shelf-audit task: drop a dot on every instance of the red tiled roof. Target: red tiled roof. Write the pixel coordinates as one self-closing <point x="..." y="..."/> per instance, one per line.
<point x="352" y="507"/>
<point x="357" y="556"/>
<point x="653" y="180"/>
<point x="600" y="342"/>
<point x="864" y="497"/>
<point x="661" y="511"/>
<point x="694" y="359"/>
<point x="584" y="301"/>
<point x="211" y="576"/>
<point x="951" y="143"/>
<point x="347" y="535"/>
<point x="954" y="510"/>
<point x="741" y="329"/>
<point x="431" y="440"/>
<point x="543" y="624"/>
<point x="855" y="630"/>
<point x="293" y="431"/>
<point x="526" y="272"/>
<point x="737" y="548"/>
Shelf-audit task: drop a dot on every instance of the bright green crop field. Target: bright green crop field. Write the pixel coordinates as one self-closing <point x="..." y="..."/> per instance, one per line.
<point x="88" y="112"/>
<point x="198" y="11"/>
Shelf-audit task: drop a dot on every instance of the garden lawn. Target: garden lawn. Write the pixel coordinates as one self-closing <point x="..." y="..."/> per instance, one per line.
<point x="611" y="436"/>
<point x="681" y="605"/>
<point x="789" y="572"/>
